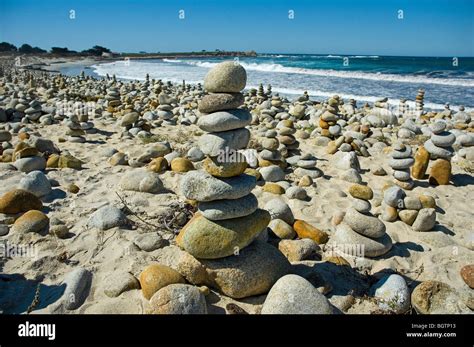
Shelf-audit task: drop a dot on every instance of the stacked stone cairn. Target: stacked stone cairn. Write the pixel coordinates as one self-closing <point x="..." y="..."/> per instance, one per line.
<point x="440" y="149"/>
<point x="327" y="121"/>
<point x="261" y="93"/>
<point x="418" y="212"/>
<point x="402" y="107"/>
<point x="419" y="102"/>
<point x="400" y="163"/>
<point x="228" y="217"/>
<point x="361" y="228"/>
<point x="75" y="132"/>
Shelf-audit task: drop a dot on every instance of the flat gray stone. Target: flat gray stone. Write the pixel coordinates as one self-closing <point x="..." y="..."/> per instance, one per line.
<point x="149" y="242"/>
<point x="201" y="186"/>
<point x="443" y="139"/>
<point x="30" y="164"/>
<point x="366" y="225"/>
<point x="214" y="144"/>
<point x="401" y="164"/>
<point x="220" y="101"/>
<point x="227" y="209"/>
<point x="438" y="152"/>
<point x="225" y="120"/>
<point x="370" y="248"/>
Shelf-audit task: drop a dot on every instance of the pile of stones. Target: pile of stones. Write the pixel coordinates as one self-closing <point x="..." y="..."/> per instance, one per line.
<point x="400" y="163"/>
<point x="419" y="102"/>
<point x="440" y="149"/>
<point x="361" y="228"/>
<point x="418" y="212"/>
<point x="228" y="217"/>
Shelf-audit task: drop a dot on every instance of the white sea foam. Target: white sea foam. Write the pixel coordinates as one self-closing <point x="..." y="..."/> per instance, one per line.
<point x="167" y="71"/>
<point x="265" y="67"/>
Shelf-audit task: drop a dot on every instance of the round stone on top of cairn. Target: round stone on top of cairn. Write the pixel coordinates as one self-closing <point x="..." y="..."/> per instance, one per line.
<point x="228" y="219"/>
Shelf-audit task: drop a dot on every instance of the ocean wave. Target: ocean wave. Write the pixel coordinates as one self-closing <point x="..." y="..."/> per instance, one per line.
<point x="137" y="70"/>
<point x="377" y="76"/>
<point x="172" y="60"/>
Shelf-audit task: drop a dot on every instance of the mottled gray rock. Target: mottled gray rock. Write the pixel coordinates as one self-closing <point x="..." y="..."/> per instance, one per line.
<point x="344" y="235"/>
<point x="226" y="77"/>
<point x="214" y="144"/>
<point x="425" y="220"/>
<point x="149" y="242"/>
<point x="443" y="139"/>
<point x="36" y="183"/>
<point x="107" y="217"/>
<point x="120" y="282"/>
<point x="292" y="294"/>
<point x="252" y="272"/>
<point x="225" y="120"/>
<point x="201" y="186"/>
<point x="30" y="164"/>
<point x="392" y="293"/>
<point x="366" y="225"/>
<point x="439" y="152"/>
<point x="272" y="173"/>
<point x="178" y="299"/>
<point x="280" y="210"/>
<point x="360" y="205"/>
<point x="78" y="283"/>
<point x="394" y="196"/>
<point x="141" y="180"/>
<point x="296" y="193"/>
<point x="195" y="154"/>
<point x="226" y="209"/>
<point x="220" y="101"/>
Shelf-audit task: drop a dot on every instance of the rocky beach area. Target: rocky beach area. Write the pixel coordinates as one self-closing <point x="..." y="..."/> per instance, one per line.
<point x="153" y="197"/>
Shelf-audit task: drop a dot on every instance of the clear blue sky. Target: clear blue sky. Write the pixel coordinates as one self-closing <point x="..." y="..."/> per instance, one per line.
<point x="429" y="27"/>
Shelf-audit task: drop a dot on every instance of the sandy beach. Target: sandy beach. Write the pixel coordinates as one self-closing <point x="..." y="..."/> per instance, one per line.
<point x="118" y="168"/>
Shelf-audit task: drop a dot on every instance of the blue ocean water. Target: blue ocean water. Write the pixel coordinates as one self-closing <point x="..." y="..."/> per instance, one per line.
<point x="364" y="78"/>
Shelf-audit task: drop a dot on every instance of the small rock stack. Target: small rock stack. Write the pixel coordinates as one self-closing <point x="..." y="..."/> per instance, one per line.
<point x="270" y="155"/>
<point x="327" y="121"/>
<point x="402" y="107"/>
<point x="228" y="219"/>
<point x="360" y="228"/>
<point x="418" y="212"/>
<point x="286" y="130"/>
<point x="401" y="162"/>
<point x="439" y="147"/>
<point x="261" y="93"/>
<point x="75" y="132"/>
<point x="419" y="102"/>
<point x="113" y="98"/>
